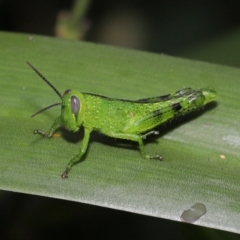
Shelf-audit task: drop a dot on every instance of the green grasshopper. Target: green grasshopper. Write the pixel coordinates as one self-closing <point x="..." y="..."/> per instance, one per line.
<point x="117" y="118"/>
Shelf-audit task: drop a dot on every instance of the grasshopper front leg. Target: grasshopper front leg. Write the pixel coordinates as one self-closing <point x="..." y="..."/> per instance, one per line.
<point x="83" y="148"/>
<point x="57" y="123"/>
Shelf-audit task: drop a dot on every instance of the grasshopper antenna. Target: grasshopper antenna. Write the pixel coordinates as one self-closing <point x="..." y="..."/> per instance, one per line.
<point x="44" y="79"/>
<point x="49" y="84"/>
<point x="46" y="108"/>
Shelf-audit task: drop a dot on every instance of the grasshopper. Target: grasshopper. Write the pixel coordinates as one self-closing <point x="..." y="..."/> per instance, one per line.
<point x="132" y="120"/>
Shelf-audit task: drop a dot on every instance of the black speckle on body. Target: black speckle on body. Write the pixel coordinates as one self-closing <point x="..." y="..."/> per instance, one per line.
<point x="191" y="98"/>
<point x="176" y="107"/>
<point x="157" y="112"/>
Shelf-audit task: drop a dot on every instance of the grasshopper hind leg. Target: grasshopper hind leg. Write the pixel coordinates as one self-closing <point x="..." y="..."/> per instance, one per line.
<point x="139" y="139"/>
<point x="142" y="147"/>
<point x="144" y="136"/>
<point x="154" y="132"/>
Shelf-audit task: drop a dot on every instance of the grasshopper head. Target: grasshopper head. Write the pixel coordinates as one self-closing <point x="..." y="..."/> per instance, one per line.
<point x="72" y="110"/>
<point x="72" y="105"/>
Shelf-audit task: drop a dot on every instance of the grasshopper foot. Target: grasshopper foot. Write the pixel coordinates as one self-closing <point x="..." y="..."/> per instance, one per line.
<point x="65" y="173"/>
<point x="37" y="131"/>
<point x="158" y="157"/>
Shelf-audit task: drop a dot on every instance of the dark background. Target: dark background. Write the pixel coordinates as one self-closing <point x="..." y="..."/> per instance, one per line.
<point x="178" y="28"/>
<point x="163" y="26"/>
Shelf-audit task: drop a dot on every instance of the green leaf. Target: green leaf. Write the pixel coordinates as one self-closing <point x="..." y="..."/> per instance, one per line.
<point x="202" y="159"/>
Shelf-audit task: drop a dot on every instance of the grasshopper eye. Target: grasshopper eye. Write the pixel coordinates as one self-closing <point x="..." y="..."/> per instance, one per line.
<point x="67" y="91"/>
<point x="75" y="104"/>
